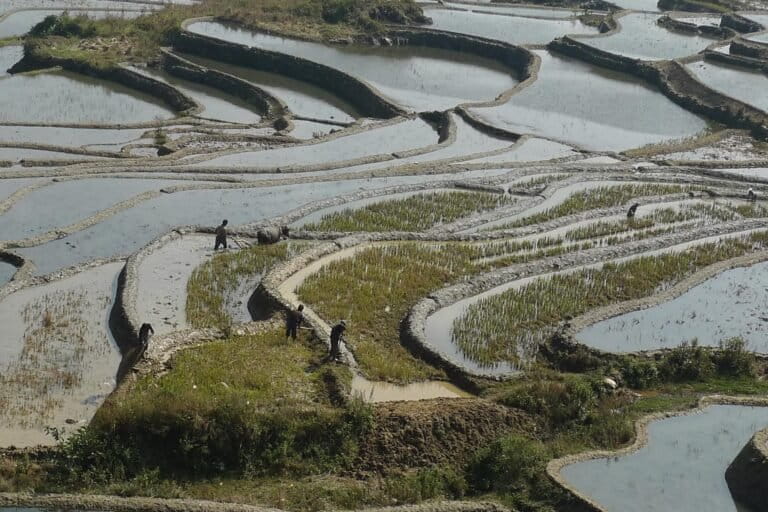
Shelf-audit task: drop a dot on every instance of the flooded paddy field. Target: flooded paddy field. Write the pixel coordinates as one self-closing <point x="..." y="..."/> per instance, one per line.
<point x="61" y="97"/>
<point x="21" y="22"/>
<point x="423" y="80"/>
<point x="730" y="305"/>
<point x="642" y="38"/>
<point x="738" y="83"/>
<point x="510" y="29"/>
<point x="512" y="9"/>
<point x="557" y="105"/>
<point x="59" y="361"/>
<point x="682" y="465"/>
<point x="6" y="272"/>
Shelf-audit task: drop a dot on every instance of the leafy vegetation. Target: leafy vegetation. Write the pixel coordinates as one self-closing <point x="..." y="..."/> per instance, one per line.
<point x="416" y="213"/>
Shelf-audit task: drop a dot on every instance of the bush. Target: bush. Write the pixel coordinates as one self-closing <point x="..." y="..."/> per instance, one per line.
<point x="689" y="361"/>
<point x="559" y="402"/>
<point x="64" y="25"/>
<point x="509" y="465"/>
<point x="639" y="374"/>
<point x="734" y="359"/>
<point x="426" y="484"/>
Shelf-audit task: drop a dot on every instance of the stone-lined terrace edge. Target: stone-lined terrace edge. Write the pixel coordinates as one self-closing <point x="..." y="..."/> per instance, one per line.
<point x="747" y="475"/>
<point x="584" y="503"/>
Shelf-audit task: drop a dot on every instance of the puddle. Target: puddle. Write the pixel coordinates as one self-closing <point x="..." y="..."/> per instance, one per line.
<point x="739" y="83"/>
<point x="575" y="102"/>
<point x="77" y="348"/>
<point x="532" y="149"/>
<point x="400" y="136"/>
<point x="9" y="55"/>
<point x="386" y="392"/>
<point x="128" y="230"/>
<point x="510" y="29"/>
<point x="216" y="104"/>
<point x="301" y="98"/>
<point x="63" y="97"/>
<point x="641" y="37"/>
<point x="162" y="283"/>
<point x="68" y="202"/>
<point x="728" y="305"/>
<point x="19" y="23"/>
<point x="416" y="77"/>
<point x="682" y="468"/>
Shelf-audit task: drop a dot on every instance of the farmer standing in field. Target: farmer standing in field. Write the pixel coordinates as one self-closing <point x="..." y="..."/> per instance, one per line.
<point x="293" y="321"/>
<point x="221" y="235"/>
<point x="336" y="333"/>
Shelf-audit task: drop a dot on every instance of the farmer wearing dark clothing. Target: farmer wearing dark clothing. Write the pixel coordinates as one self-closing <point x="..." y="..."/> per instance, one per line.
<point x="751" y="194"/>
<point x="632" y="210"/>
<point x="336" y="333"/>
<point x="221" y="235"/>
<point x="293" y="322"/>
<point x="145" y="331"/>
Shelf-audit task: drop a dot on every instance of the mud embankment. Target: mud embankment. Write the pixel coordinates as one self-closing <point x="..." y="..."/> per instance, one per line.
<point x="174" y="98"/>
<point x="269" y="106"/>
<point x="359" y="94"/>
<point x="748" y="473"/>
<point x="751" y="49"/>
<point x="740" y="23"/>
<point x="737" y="60"/>
<point x="678" y="25"/>
<point x="676" y="83"/>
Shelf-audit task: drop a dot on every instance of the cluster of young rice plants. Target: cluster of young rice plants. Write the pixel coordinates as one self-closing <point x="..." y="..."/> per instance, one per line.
<point x="537" y="181"/>
<point x="373" y="292"/>
<point x="608" y="228"/>
<point x="502" y="326"/>
<point x="415" y="213"/>
<point x="601" y="197"/>
<point x="215" y="286"/>
<point x="58" y="344"/>
<point x="724" y="212"/>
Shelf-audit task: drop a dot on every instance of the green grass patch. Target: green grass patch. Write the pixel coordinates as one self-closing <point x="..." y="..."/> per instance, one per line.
<point x="213" y="286"/>
<point x="503" y="326"/>
<point x="374" y="290"/>
<point x="415" y="213"/>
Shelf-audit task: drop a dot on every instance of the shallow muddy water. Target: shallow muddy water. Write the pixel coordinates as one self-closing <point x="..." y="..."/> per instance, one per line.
<point x="302" y="99"/>
<point x="68" y="202"/>
<point x="9" y="186"/>
<point x="6" y="272"/>
<point x="532" y="149"/>
<point x="639" y="5"/>
<point x="575" y="102"/>
<point x="77" y="345"/>
<point x="514" y="10"/>
<point x="400" y="136"/>
<point x="106" y="139"/>
<point x="9" y="55"/>
<point x="162" y="283"/>
<point x="127" y="231"/>
<point x="19" y="154"/>
<point x="378" y="391"/>
<point x="728" y="305"/>
<point x="216" y="104"/>
<point x="69" y="98"/>
<point x="642" y="38"/>
<point x="510" y="29"/>
<point x="417" y="78"/>
<point x="682" y="467"/>
<point x="739" y="83"/>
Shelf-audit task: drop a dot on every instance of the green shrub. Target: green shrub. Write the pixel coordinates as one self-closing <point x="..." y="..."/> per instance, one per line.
<point x="559" y="402"/>
<point x="639" y="374"/>
<point x="509" y="464"/>
<point x="425" y="484"/>
<point x="734" y="359"/>
<point x="689" y="361"/>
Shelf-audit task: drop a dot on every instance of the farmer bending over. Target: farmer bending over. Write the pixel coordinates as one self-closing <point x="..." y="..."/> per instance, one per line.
<point x="145" y="331"/>
<point x="632" y="210"/>
<point x="336" y="333"/>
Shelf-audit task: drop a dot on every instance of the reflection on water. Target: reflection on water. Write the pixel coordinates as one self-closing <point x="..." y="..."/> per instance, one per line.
<point x="681" y="469"/>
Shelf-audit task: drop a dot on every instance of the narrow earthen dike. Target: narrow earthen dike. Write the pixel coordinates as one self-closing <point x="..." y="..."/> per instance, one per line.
<point x="676" y="83"/>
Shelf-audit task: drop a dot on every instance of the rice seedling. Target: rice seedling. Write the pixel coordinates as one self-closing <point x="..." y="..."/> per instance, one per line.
<point x="415" y="213"/>
<point x="215" y="287"/>
<point x="374" y="290"/>
<point x="601" y="197"/>
<point x="510" y="324"/>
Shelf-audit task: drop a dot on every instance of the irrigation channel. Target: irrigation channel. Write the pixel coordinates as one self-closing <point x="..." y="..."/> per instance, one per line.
<point x="443" y="188"/>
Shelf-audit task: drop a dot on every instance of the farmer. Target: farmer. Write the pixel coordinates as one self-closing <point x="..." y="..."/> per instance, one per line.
<point x="751" y="194"/>
<point x="632" y="210"/>
<point x="272" y="234"/>
<point x="145" y="331"/>
<point x="221" y="235"/>
<point x="293" y="321"/>
<point x="336" y="333"/>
